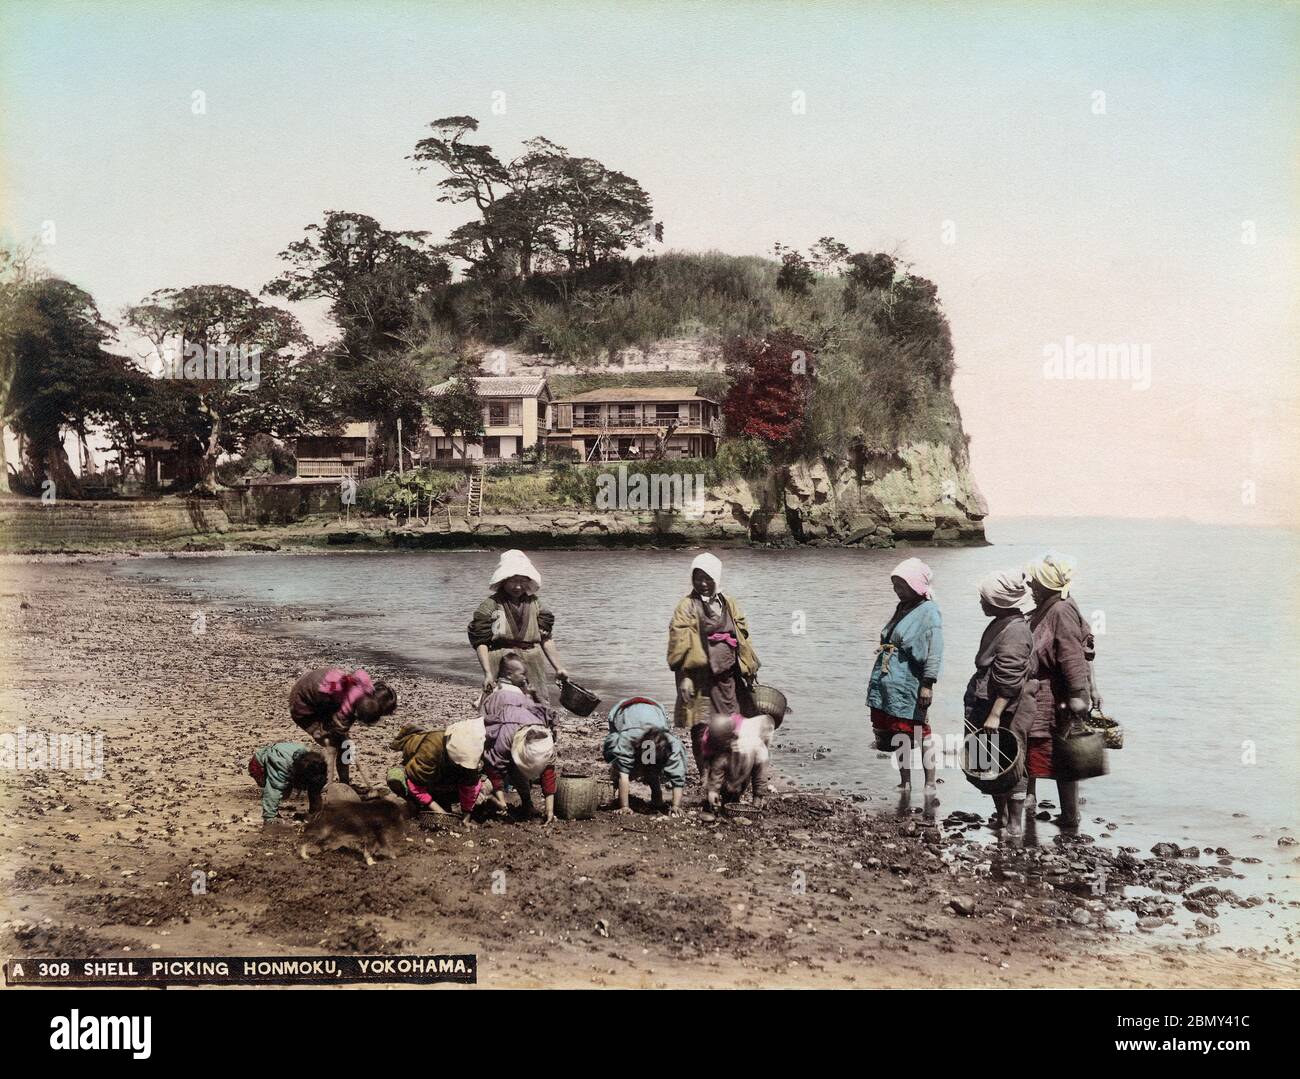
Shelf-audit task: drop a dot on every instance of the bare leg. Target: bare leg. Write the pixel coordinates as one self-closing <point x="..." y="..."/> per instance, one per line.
<point x="904" y="757"/>
<point x="1068" y="789"/>
<point x="758" y="785"/>
<point x="525" y="795"/>
<point x="929" y="765"/>
<point x="1015" y="811"/>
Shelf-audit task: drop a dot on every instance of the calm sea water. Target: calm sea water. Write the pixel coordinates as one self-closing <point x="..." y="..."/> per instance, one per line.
<point x="1198" y="637"/>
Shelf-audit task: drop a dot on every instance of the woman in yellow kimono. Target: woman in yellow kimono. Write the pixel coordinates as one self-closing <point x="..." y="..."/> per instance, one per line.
<point x="709" y="651"/>
<point x="513" y="619"/>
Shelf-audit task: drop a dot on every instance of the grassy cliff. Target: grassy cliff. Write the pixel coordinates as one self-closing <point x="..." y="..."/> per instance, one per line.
<point x="882" y="353"/>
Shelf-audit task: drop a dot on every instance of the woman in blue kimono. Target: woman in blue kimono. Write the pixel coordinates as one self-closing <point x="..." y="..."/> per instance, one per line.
<point x="908" y="661"/>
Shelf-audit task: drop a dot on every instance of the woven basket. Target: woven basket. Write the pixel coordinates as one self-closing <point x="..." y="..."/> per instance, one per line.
<point x="1111" y="731"/>
<point x="576" y="699"/>
<point x="993" y="761"/>
<point x="771" y="702"/>
<point x="576" y="797"/>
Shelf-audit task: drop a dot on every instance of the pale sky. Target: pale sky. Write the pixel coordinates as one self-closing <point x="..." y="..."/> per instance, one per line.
<point x="1096" y="165"/>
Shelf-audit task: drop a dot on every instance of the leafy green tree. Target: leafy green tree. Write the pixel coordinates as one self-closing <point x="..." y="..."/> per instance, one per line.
<point x="372" y="276"/>
<point x="544" y="208"/>
<point x="55" y="341"/>
<point x="198" y="332"/>
<point x="796" y="275"/>
<point x="384" y="389"/>
<point x="18" y="269"/>
<point x="456" y="407"/>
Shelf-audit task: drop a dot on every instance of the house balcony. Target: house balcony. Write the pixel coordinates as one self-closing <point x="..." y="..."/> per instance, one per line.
<point x="589" y="427"/>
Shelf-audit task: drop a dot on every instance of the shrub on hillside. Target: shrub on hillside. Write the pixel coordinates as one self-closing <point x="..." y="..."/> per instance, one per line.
<point x="771" y="385"/>
<point x="745" y="457"/>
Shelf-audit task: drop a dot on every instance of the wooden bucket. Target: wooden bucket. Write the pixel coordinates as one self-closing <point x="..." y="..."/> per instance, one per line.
<point x="579" y="701"/>
<point x="1079" y="754"/>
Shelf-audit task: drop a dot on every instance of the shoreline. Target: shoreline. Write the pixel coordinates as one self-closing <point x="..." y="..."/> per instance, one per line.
<point x="812" y="891"/>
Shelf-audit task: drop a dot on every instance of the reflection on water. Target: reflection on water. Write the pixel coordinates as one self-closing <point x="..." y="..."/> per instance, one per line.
<point x="1197" y="643"/>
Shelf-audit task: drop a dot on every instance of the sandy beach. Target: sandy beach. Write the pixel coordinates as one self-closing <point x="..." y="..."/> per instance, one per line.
<point x="811" y="891"/>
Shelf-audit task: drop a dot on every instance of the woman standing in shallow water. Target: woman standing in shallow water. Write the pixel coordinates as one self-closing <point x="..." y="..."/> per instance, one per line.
<point x="1001" y="691"/>
<point x="709" y="650"/>
<point x="1062" y="646"/>
<point x="514" y="619"/>
<point x="909" y="659"/>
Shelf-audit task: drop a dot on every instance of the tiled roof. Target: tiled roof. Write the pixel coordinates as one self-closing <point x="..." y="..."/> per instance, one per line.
<point x="502" y="386"/>
<point x="629" y="394"/>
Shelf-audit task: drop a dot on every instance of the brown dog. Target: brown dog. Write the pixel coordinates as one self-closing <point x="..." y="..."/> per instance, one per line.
<point x="369" y="828"/>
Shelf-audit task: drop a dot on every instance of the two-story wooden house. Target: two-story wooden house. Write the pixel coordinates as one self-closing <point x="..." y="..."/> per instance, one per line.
<point x="516" y="415"/>
<point x="627" y="423"/>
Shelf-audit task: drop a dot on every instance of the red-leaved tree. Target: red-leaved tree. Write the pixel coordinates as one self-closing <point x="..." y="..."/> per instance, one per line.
<point x="771" y="386"/>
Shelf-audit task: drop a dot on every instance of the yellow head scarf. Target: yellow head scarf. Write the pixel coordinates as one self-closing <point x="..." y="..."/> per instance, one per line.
<point x="1053" y="571"/>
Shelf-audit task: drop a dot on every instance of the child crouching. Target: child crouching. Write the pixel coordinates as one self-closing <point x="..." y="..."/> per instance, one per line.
<point x="327" y="701"/>
<point x="439" y="767"/>
<point x="732" y="753"/>
<point x="640" y="746"/>
<point x="284" y="767"/>
<point x="520" y="739"/>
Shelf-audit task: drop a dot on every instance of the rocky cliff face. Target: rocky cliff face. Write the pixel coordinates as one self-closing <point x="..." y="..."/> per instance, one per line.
<point x="918" y="495"/>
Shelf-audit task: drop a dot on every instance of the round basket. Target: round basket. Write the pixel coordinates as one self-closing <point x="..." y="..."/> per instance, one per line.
<point x="576" y="797"/>
<point x="771" y="702"/>
<point x="993" y="761"/>
<point x="1111" y="732"/>
<point x="576" y="699"/>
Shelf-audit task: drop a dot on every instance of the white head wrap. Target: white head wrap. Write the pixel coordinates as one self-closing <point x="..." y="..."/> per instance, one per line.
<point x="917" y="575"/>
<point x="516" y="564"/>
<point x="465" y="742"/>
<point x="531" y="756"/>
<point x="711" y="565"/>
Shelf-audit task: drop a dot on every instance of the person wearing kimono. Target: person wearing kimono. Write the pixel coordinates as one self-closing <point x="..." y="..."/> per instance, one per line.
<point x="909" y="659"/>
<point x="514" y="619"/>
<point x="1001" y="691"/>
<point x="640" y="746"/>
<point x="326" y="702"/>
<point x="709" y="651"/>
<point x="520" y="733"/>
<point x="1063" y="649"/>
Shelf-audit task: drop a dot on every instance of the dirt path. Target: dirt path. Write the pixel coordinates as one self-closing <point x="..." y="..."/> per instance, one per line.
<point x="812" y="891"/>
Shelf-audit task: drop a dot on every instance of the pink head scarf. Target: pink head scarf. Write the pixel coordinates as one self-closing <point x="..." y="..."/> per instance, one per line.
<point x="917" y="575"/>
<point x="347" y="689"/>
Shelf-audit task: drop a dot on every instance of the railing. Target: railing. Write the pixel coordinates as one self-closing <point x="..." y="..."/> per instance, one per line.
<point x="645" y="423"/>
<point x="330" y="468"/>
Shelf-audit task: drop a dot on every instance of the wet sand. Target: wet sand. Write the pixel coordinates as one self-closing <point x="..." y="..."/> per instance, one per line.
<point x="812" y="890"/>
